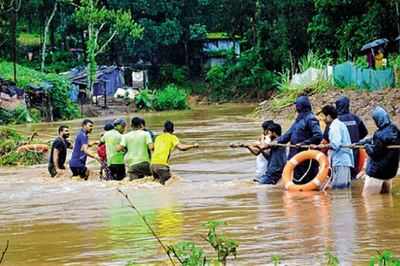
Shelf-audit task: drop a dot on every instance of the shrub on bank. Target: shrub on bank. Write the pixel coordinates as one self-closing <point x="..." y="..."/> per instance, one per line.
<point x="243" y="77"/>
<point x="168" y="98"/>
<point x="10" y="140"/>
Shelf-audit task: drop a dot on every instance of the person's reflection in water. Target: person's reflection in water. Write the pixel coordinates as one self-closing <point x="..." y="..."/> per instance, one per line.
<point x="378" y="208"/>
<point x="129" y="234"/>
<point x="308" y="216"/>
<point x="343" y="225"/>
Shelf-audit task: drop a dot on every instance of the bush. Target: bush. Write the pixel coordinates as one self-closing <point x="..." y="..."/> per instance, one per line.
<point x="9" y="142"/>
<point x="63" y="107"/>
<point x="245" y="76"/>
<point x="173" y="74"/>
<point x="314" y="60"/>
<point x="18" y="116"/>
<point x="144" y="100"/>
<point x="170" y="98"/>
<point x="216" y="77"/>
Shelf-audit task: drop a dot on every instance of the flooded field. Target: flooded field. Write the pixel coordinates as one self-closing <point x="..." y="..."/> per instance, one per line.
<point x="65" y="222"/>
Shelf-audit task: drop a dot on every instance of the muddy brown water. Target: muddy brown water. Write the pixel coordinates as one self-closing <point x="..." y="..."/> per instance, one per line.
<point x="65" y="222"/>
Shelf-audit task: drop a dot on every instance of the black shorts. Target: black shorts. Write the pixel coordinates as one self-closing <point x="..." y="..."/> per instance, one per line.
<point x="117" y="171"/>
<point x="161" y="172"/>
<point x="79" y="171"/>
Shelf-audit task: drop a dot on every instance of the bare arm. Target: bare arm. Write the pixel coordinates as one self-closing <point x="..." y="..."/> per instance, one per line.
<point x="185" y="147"/>
<point x="85" y="149"/>
<point x="121" y="148"/>
<point x="253" y="149"/>
<point x="150" y="146"/>
<point x="55" y="159"/>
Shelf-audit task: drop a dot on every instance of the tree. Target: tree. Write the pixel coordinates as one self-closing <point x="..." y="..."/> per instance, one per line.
<point x="102" y="22"/>
<point x="12" y="7"/>
<point x="46" y="30"/>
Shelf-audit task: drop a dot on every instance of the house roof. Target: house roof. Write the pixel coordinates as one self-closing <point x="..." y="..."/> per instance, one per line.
<point x="220" y="36"/>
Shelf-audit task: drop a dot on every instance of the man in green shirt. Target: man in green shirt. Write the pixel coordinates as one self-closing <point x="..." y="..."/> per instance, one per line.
<point x="115" y="157"/>
<point x="136" y="143"/>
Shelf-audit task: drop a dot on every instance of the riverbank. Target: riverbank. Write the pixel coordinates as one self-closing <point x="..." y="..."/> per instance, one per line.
<point x="362" y="103"/>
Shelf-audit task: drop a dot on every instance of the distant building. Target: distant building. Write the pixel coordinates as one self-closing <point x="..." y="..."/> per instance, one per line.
<point x="216" y="46"/>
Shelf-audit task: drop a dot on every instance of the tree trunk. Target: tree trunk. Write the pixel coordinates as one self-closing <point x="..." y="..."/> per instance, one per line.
<point x="46" y="30"/>
<point x="185" y="44"/>
<point x="14" y="40"/>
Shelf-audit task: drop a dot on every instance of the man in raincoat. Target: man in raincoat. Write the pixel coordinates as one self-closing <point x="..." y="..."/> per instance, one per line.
<point x="383" y="162"/>
<point x="304" y="131"/>
<point x="354" y="124"/>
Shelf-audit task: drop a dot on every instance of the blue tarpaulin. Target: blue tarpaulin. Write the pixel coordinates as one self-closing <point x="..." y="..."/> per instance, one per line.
<point x="108" y="80"/>
<point x="349" y="75"/>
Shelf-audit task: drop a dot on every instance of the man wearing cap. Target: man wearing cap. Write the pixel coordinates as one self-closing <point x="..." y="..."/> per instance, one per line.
<point x="115" y="158"/>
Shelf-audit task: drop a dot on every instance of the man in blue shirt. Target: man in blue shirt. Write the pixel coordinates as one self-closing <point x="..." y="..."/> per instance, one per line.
<point x="341" y="158"/>
<point x="81" y="150"/>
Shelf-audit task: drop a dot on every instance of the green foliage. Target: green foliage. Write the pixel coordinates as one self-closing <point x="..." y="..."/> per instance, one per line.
<point x="216" y="78"/>
<point x="245" y="76"/>
<point x="361" y="62"/>
<point x="331" y="260"/>
<point x="18" y="116"/>
<point x="9" y="142"/>
<point x="170" y="98"/>
<point x="224" y="246"/>
<point x="288" y="92"/>
<point x="63" y="107"/>
<point x="96" y="17"/>
<point x="276" y="260"/>
<point x="385" y="258"/>
<point x="170" y="73"/>
<point x="144" y="100"/>
<point x="314" y="60"/>
<point x="188" y="253"/>
<point x="29" y="39"/>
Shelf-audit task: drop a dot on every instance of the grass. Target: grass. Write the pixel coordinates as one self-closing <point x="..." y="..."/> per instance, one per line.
<point x="29" y="39"/>
<point x="288" y="93"/>
<point x="314" y="60"/>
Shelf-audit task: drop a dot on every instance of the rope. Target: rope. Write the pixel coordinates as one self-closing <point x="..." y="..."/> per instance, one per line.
<point x="310" y="146"/>
<point x="306" y="173"/>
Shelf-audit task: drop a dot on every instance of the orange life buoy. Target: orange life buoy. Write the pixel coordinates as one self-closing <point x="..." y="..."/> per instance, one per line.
<point x="362" y="160"/>
<point x="318" y="180"/>
<point x="38" y="148"/>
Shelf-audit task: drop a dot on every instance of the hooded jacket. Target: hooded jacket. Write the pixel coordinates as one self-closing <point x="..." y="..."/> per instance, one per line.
<point x="305" y="130"/>
<point x="383" y="162"/>
<point x="354" y="124"/>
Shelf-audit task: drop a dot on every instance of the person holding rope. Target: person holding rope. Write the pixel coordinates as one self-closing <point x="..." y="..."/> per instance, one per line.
<point x="77" y="164"/>
<point x="115" y="158"/>
<point x="383" y="161"/>
<point x="276" y="157"/>
<point x="341" y="158"/>
<point x="354" y="124"/>
<point x="304" y="131"/>
<point x="261" y="160"/>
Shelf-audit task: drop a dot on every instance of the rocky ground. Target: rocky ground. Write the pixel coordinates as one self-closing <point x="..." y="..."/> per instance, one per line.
<point x="362" y="103"/>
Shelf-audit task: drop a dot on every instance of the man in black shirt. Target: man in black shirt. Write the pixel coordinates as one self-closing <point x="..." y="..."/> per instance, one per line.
<point x="58" y="153"/>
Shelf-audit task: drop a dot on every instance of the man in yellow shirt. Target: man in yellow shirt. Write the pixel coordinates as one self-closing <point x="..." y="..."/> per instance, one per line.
<point x="164" y="144"/>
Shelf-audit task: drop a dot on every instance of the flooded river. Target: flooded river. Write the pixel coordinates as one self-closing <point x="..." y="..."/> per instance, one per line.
<point x="64" y="222"/>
